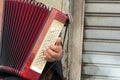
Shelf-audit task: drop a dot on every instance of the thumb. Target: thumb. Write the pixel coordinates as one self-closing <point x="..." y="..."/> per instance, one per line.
<point x="58" y="41"/>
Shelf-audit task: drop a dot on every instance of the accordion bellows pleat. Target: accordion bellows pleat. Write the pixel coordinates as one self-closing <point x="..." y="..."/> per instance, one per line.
<point x="23" y="23"/>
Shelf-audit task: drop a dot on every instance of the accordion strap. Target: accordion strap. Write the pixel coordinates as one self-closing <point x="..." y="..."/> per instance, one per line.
<point x="66" y="29"/>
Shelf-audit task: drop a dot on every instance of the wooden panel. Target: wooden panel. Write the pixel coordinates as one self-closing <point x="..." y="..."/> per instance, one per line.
<point x="103" y="7"/>
<point x="66" y="6"/>
<point x="101" y="70"/>
<point x="76" y="39"/>
<point x="52" y="3"/>
<point x="102" y="21"/>
<point x="102" y="34"/>
<point x="101" y="58"/>
<point x="102" y="46"/>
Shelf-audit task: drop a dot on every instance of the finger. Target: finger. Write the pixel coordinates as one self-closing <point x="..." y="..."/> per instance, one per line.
<point x="55" y="48"/>
<point x="54" y="55"/>
<point x="48" y="57"/>
<point x="58" y="41"/>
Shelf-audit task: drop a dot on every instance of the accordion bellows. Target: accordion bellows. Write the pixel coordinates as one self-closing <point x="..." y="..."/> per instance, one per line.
<point x="27" y="28"/>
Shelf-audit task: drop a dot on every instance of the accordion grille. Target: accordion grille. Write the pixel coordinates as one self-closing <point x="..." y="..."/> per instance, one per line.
<point x="23" y="21"/>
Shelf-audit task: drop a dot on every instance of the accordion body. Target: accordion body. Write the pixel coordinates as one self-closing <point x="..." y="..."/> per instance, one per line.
<point x="27" y="28"/>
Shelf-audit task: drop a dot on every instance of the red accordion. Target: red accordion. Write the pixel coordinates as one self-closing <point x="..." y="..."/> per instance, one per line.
<point x="27" y="28"/>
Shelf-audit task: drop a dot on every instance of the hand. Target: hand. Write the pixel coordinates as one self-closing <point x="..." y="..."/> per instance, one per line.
<point x="54" y="52"/>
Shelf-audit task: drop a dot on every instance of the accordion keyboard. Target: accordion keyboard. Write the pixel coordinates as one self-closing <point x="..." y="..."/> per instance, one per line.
<point x="50" y="39"/>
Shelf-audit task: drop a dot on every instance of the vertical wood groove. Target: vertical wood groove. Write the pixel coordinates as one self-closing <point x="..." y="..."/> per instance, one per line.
<point x="76" y="43"/>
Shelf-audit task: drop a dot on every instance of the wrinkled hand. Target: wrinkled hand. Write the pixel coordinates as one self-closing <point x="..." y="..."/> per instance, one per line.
<point x="54" y="52"/>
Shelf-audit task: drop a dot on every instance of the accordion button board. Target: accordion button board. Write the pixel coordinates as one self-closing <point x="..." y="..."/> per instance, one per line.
<point x="50" y="39"/>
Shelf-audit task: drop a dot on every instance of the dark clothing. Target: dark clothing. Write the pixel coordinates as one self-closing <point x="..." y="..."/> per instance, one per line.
<point x="52" y="71"/>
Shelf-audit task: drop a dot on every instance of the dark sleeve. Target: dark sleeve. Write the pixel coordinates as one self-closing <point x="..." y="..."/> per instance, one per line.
<point x="52" y="71"/>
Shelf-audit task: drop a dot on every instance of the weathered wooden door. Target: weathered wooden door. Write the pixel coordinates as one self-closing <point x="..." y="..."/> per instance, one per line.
<point x="101" y="55"/>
